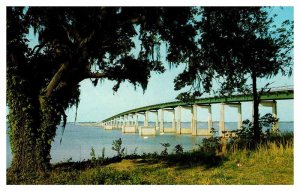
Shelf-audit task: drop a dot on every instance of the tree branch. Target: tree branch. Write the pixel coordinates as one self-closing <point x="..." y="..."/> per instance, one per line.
<point x="38" y="47"/>
<point x="55" y="79"/>
<point x="96" y="75"/>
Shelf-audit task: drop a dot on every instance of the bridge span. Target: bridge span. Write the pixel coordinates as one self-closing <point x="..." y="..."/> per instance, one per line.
<point x="128" y="120"/>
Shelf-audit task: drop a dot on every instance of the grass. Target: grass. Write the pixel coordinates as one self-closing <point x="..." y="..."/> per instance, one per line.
<point x="270" y="164"/>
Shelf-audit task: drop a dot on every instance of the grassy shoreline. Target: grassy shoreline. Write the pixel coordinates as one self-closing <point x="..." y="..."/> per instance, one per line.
<point x="270" y="164"/>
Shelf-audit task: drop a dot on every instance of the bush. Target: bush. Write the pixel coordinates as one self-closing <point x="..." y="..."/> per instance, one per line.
<point x="117" y="146"/>
<point x="93" y="155"/>
<point x="165" y="151"/>
<point x="178" y="150"/>
<point x="210" y="145"/>
<point x="245" y="136"/>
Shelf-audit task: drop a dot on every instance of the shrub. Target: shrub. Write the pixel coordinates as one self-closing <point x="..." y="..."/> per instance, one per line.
<point x="93" y="155"/>
<point x="245" y="136"/>
<point x="211" y="145"/>
<point x="117" y="146"/>
<point x="178" y="150"/>
<point x="165" y="151"/>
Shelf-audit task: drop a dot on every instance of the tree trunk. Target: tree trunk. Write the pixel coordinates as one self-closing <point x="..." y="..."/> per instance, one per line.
<point x="22" y="130"/>
<point x="256" y="128"/>
<point x="32" y="130"/>
<point x="50" y="118"/>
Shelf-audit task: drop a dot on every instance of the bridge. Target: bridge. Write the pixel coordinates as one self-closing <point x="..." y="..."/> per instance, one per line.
<point x="126" y="122"/>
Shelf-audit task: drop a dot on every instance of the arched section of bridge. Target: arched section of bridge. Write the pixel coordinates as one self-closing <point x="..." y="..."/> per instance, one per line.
<point x="122" y="120"/>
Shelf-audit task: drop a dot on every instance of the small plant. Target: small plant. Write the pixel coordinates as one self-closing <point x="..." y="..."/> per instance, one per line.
<point x="165" y="151"/>
<point x="213" y="131"/>
<point x="103" y="152"/>
<point x="69" y="160"/>
<point x="100" y="160"/>
<point x="178" y="150"/>
<point x="93" y="155"/>
<point x="135" y="151"/>
<point x="117" y="146"/>
<point x="211" y="144"/>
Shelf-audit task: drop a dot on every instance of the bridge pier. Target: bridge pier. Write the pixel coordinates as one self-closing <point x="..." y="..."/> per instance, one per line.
<point x="178" y="129"/>
<point x="146" y="130"/>
<point x="222" y="121"/>
<point x="222" y="116"/>
<point x="157" y="121"/>
<point x="129" y="127"/>
<point x="113" y="123"/>
<point x="194" y="120"/>
<point x="195" y="130"/>
<point x="146" y="123"/>
<point x="128" y="120"/>
<point x="272" y="104"/>
<point x="143" y="114"/>
<point x="239" y="107"/>
<point x="136" y="120"/>
<point x="161" y="129"/>
<point x="181" y="130"/>
<point x="120" y="122"/>
<point x="108" y="125"/>
<point x="123" y="121"/>
<point x="210" y="122"/>
<point x="132" y="119"/>
<point x="117" y="122"/>
<point x="173" y="128"/>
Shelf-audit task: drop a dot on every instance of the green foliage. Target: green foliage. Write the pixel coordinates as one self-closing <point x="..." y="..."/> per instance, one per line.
<point x="43" y="78"/>
<point x="237" y="43"/>
<point x="211" y="144"/>
<point x="117" y="146"/>
<point x="165" y="151"/>
<point x="108" y="176"/>
<point x="192" y="167"/>
<point x="245" y="136"/>
<point x="93" y="155"/>
<point x="178" y="149"/>
<point x="103" y="152"/>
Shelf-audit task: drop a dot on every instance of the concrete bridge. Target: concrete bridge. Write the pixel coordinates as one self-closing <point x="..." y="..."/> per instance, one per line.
<point x="128" y="120"/>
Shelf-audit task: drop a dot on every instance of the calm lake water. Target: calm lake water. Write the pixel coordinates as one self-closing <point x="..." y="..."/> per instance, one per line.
<point x="78" y="140"/>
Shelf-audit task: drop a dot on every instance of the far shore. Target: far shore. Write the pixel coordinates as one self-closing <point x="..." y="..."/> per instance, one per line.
<point x="98" y="123"/>
<point x="87" y="123"/>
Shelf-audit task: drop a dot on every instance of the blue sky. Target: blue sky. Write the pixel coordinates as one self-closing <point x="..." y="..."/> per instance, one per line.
<point x="98" y="103"/>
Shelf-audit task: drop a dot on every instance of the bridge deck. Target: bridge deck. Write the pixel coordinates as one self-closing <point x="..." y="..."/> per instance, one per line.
<point x="273" y="95"/>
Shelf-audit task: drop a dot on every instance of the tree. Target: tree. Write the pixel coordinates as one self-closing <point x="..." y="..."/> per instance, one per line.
<point x="76" y="44"/>
<point x="237" y="45"/>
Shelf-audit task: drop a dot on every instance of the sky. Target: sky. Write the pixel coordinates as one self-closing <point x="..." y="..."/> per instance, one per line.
<point x="99" y="103"/>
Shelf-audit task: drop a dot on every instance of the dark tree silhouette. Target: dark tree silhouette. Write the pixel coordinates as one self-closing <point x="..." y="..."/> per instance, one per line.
<point x="76" y="44"/>
<point x="237" y="44"/>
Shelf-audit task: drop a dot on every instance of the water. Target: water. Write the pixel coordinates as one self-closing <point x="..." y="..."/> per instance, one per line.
<point x="78" y="140"/>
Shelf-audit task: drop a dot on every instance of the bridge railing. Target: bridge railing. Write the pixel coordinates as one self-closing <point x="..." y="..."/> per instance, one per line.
<point x="282" y="92"/>
<point x="282" y="88"/>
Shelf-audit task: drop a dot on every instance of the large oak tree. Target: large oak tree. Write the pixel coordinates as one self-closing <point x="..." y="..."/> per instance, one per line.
<point x="76" y="43"/>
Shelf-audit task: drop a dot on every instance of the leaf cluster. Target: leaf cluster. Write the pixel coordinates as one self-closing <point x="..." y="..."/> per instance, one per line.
<point x="234" y="44"/>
